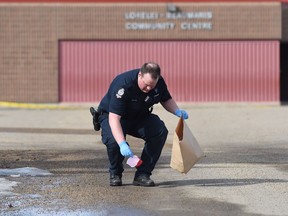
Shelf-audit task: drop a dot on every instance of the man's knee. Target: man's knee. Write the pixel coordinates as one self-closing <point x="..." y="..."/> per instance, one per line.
<point x="161" y="133"/>
<point x="112" y="145"/>
<point x="164" y="132"/>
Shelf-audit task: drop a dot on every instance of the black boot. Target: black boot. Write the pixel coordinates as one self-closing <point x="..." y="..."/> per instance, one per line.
<point x="115" y="180"/>
<point x="143" y="180"/>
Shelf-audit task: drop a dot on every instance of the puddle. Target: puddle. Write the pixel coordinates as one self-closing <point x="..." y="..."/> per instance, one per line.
<point x="32" y="211"/>
<point x="41" y="212"/>
<point x="6" y="186"/>
<point x="25" y="171"/>
<point x="6" y="191"/>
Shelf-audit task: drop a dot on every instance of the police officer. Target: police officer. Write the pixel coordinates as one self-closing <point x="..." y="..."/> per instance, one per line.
<point x="127" y="109"/>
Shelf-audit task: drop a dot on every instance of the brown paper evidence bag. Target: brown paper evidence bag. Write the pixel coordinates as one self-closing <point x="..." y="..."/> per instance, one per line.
<point x="186" y="151"/>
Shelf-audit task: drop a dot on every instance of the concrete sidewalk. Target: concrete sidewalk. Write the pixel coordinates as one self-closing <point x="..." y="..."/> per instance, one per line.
<point x="244" y="171"/>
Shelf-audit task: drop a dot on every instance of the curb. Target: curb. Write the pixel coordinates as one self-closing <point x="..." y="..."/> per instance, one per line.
<point x="37" y="106"/>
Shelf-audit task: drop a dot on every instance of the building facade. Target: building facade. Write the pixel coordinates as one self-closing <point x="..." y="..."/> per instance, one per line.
<point x="61" y="51"/>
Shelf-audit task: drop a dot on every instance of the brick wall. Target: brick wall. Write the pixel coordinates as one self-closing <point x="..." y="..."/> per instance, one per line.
<point x="285" y="22"/>
<point x="30" y="34"/>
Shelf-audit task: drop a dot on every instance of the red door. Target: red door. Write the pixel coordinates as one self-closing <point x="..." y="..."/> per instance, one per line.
<point x="195" y="71"/>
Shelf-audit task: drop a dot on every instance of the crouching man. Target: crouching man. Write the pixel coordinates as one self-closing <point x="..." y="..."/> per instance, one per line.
<point x="125" y="109"/>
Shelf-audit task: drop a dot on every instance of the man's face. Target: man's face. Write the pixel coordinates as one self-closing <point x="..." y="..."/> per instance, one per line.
<point x="146" y="83"/>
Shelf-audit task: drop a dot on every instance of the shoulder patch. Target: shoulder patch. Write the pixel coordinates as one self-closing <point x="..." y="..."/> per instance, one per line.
<point x="120" y="93"/>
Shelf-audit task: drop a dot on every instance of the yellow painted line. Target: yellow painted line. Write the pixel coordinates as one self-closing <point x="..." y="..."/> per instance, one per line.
<point x="35" y="106"/>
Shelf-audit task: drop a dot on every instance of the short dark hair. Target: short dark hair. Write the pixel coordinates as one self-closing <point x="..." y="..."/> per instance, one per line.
<point x="152" y="68"/>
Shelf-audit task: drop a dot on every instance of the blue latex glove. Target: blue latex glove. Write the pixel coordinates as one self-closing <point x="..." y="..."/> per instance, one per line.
<point x="125" y="149"/>
<point x="181" y="113"/>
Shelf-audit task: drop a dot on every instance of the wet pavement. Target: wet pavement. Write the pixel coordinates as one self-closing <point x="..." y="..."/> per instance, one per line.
<point x="245" y="171"/>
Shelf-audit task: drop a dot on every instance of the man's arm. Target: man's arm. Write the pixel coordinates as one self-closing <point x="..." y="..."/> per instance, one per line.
<point x="116" y="128"/>
<point x="171" y="106"/>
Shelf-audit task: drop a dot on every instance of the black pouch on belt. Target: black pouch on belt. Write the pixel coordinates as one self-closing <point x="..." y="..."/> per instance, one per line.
<point x="95" y="115"/>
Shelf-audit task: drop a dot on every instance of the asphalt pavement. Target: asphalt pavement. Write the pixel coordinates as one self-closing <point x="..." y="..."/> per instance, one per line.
<point x="244" y="171"/>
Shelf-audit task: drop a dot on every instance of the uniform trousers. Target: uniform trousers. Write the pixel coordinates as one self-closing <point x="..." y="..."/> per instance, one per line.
<point x="149" y="128"/>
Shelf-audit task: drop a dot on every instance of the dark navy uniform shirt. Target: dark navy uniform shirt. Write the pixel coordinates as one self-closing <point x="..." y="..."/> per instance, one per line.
<point x="125" y="98"/>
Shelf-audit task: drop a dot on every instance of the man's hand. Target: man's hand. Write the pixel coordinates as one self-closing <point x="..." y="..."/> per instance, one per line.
<point x="125" y="149"/>
<point x="181" y="113"/>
